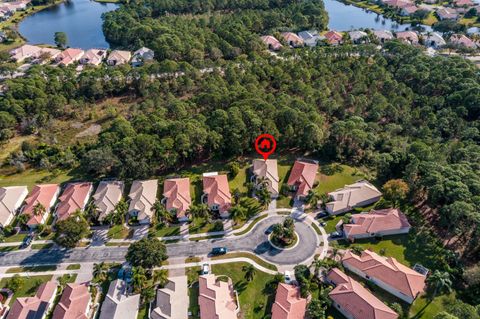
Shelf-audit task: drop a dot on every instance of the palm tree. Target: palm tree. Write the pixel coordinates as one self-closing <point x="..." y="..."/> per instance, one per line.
<point x="263" y="195"/>
<point x="139" y="279"/>
<point x="238" y="213"/>
<point x="22" y="219"/>
<point x="160" y="277"/>
<point x="250" y="272"/>
<point x="161" y="213"/>
<point x="200" y="211"/>
<point x="441" y="281"/>
<point x="100" y="271"/>
<point x="92" y="212"/>
<point x="312" y="198"/>
<point x="38" y="209"/>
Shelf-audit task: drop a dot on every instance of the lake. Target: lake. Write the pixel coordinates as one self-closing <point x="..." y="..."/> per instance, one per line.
<point x="81" y="20"/>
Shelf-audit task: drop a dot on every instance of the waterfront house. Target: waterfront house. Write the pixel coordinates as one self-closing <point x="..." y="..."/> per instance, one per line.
<point x="93" y="57"/>
<point x="24" y="52"/>
<point x="383" y="35"/>
<point x="46" y="54"/>
<point x="37" y="306"/>
<point x="106" y="197"/>
<point x="398" y="4"/>
<point x="292" y="39"/>
<point x="266" y="172"/>
<point x="216" y="193"/>
<point x="217" y="298"/>
<point x="463" y="3"/>
<point x="387" y="273"/>
<point x="176" y="197"/>
<point x="383" y="222"/>
<point x="69" y="56"/>
<point x="434" y="40"/>
<point x="74" y="303"/>
<point x="119" y="303"/>
<point x="310" y="38"/>
<point x="39" y="203"/>
<point x="333" y="37"/>
<point x="11" y="198"/>
<point x="302" y="177"/>
<point x="74" y="198"/>
<point x="271" y="42"/>
<point x="171" y="300"/>
<point x="355" y="301"/>
<point x="143" y="195"/>
<point x="358" y="36"/>
<point x="118" y="57"/>
<point x="409" y="37"/>
<point x="462" y="40"/>
<point x="447" y="14"/>
<point x="408" y="10"/>
<point x="359" y="194"/>
<point x="288" y="303"/>
<point x="141" y="56"/>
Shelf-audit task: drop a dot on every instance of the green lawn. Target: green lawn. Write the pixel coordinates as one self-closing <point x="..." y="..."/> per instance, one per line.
<point x="331" y="221"/>
<point x="252" y="224"/>
<point x="165" y="231"/>
<point x="8" y="248"/>
<point x="328" y="183"/>
<point x="255" y="297"/>
<point x="15" y="238"/>
<point x="253" y="257"/>
<point x="73" y="267"/>
<point x="142" y="312"/>
<point x="425" y="309"/>
<point x="42" y="246"/>
<point x="31" y="177"/>
<point x="70" y="278"/>
<point x="201" y="225"/>
<point x="192" y="275"/>
<point x="238" y="182"/>
<point x="31" y="269"/>
<point x="29" y="288"/>
<point x="118" y="232"/>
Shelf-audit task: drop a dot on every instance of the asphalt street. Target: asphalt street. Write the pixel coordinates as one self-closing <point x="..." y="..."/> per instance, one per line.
<point x="255" y="241"/>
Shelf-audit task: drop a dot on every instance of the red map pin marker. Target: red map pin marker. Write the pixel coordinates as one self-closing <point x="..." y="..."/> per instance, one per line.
<point x="265" y="145"/>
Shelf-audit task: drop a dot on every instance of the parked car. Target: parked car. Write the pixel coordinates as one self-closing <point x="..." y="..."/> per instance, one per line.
<point x="269" y="230"/>
<point x="288" y="277"/>
<point x="219" y="251"/>
<point x="27" y="240"/>
<point x="205" y="269"/>
<point x="323" y="224"/>
<point x="321" y="215"/>
<point x="336" y="234"/>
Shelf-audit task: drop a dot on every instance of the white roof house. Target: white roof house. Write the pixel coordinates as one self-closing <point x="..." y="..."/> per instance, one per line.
<point x="117" y="57"/>
<point x="108" y="195"/>
<point x="310" y="38"/>
<point x="142" y="197"/>
<point x="266" y="171"/>
<point x="172" y="301"/>
<point x="142" y="55"/>
<point x="358" y="36"/>
<point x="11" y="198"/>
<point x="383" y="35"/>
<point x="118" y="303"/>
<point x="359" y="194"/>
<point x="434" y="39"/>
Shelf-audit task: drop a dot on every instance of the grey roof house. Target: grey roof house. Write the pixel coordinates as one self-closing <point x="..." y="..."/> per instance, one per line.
<point x="118" y="303"/>
<point x="142" y="55"/>
<point x="172" y="301"/>
<point x="310" y="38"/>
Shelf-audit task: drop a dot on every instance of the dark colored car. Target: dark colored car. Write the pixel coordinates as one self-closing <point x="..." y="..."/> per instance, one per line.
<point x="27" y="241"/>
<point x="219" y="251"/>
<point x="269" y="230"/>
<point x="321" y="215"/>
<point x="323" y="224"/>
<point x="336" y="234"/>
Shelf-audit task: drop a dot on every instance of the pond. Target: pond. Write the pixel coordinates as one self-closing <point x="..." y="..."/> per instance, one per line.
<point x="81" y="20"/>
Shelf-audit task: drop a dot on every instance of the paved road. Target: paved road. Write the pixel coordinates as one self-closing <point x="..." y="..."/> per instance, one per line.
<point x="255" y="241"/>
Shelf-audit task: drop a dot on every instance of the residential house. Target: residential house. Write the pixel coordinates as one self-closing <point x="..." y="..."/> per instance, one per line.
<point x="18" y="5"/>
<point x="143" y="195"/>
<point x="398" y="4"/>
<point x="462" y="40"/>
<point x="171" y="300"/>
<point x="447" y="14"/>
<point x="141" y="56"/>
<point x="333" y="37"/>
<point x="176" y="193"/>
<point x="288" y="303"/>
<point x="266" y="172"/>
<point x="358" y="36"/>
<point x="463" y="3"/>
<point x="292" y="39"/>
<point x="107" y="196"/>
<point x="11" y="198"/>
<point x="118" y="57"/>
<point x="47" y="54"/>
<point x="119" y="303"/>
<point x="387" y="273"/>
<point x="39" y="203"/>
<point x="24" y="52"/>
<point x="410" y="37"/>
<point x="383" y="222"/>
<point x="93" y="56"/>
<point x="383" y="35"/>
<point x="354" y="301"/>
<point x="69" y="56"/>
<point x="271" y="42"/>
<point x="217" y="299"/>
<point x="302" y="178"/>
<point x="359" y="194"/>
<point x="434" y="40"/>
<point x="36" y="307"/>
<point x="216" y="193"/>
<point x="74" y="197"/>
<point x="310" y="38"/>
<point x="74" y="303"/>
<point x="408" y="10"/>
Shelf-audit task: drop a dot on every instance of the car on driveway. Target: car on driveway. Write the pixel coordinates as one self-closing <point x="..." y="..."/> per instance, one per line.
<point x="323" y="224"/>
<point x="27" y="240"/>
<point x="205" y="269"/>
<point x="336" y="234"/>
<point x="321" y="215"/>
<point x="219" y="251"/>
<point x="288" y="277"/>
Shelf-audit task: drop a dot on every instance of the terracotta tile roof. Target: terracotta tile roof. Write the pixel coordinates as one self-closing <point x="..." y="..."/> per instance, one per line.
<point x="218" y="192"/>
<point x="268" y="170"/>
<point x="143" y="195"/>
<point x="388" y="270"/>
<point x="216" y="298"/>
<point x="352" y="195"/>
<point x="177" y="193"/>
<point x="74" y="198"/>
<point x="36" y="306"/>
<point x="44" y="195"/>
<point x="333" y="37"/>
<point x="303" y="176"/>
<point x="171" y="300"/>
<point x="69" y="56"/>
<point x="271" y="42"/>
<point x="288" y="303"/>
<point x="74" y="302"/>
<point x="291" y="37"/>
<point x="355" y="300"/>
<point x="461" y="39"/>
<point x="107" y="195"/>
<point x="376" y="221"/>
<point x="11" y="198"/>
<point x="447" y="13"/>
<point x="398" y="3"/>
